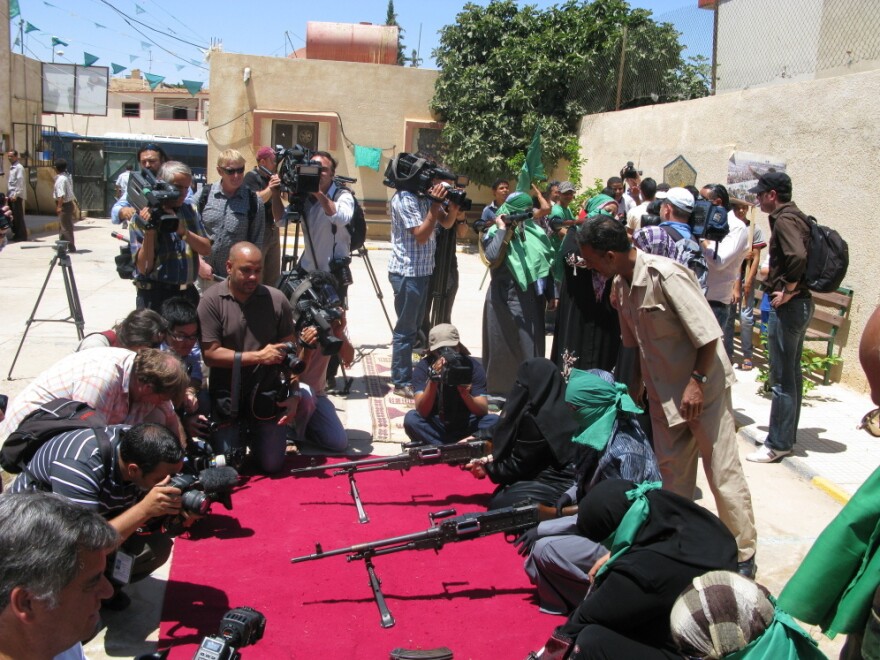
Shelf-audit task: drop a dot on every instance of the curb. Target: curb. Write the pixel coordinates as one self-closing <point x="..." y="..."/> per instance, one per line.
<point x="835" y="492"/>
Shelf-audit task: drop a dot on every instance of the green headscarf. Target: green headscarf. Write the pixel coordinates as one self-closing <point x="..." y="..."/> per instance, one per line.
<point x="532" y="258"/>
<point x="632" y="522"/>
<point x="594" y="206"/>
<point x="597" y="404"/>
<point x="784" y="639"/>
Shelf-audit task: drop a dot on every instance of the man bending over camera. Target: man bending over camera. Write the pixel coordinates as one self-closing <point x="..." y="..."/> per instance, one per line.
<point x="450" y="392"/>
<point x="247" y="334"/>
<point x="125" y="481"/>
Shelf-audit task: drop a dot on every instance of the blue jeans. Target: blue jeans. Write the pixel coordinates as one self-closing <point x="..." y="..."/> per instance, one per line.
<point x="722" y="315"/>
<point x="433" y="431"/>
<point x="747" y="324"/>
<point x="316" y="420"/>
<point x="785" y="338"/>
<point x="410" y="297"/>
<point x="267" y="441"/>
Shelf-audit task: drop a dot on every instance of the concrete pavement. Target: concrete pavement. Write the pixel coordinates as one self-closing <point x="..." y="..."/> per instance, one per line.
<point x="831" y="452"/>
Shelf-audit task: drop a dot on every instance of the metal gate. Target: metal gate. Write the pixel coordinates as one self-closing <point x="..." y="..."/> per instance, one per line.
<point x="115" y="163"/>
<point x="88" y="177"/>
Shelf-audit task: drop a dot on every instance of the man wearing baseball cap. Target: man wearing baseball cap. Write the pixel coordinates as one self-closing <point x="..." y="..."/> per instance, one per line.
<point x="791" y="299"/>
<point x="450" y="392"/>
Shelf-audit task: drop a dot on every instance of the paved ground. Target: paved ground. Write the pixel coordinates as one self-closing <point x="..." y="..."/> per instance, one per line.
<point x="832" y="457"/>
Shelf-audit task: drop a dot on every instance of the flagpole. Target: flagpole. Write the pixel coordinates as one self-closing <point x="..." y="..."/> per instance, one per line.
<point x="21" y="35"/>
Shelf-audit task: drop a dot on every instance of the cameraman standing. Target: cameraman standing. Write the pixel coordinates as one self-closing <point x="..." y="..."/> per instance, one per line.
<point x="445" y="412"/>
<point x="263" y="181"/>
<point x="414" y="221"/>
<point x="167" y="262"/>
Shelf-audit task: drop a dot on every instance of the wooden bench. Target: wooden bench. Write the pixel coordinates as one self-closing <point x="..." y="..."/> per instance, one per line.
<point x="832" y="310"/>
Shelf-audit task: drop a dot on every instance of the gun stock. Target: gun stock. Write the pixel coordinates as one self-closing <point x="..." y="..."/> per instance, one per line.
<point x="509" y="521"/>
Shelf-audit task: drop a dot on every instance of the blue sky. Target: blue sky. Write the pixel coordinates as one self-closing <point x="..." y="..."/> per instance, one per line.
<point x="163" y="37"/>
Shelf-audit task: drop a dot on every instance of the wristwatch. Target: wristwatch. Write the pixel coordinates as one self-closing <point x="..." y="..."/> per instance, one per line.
<point x="700" y="378"/>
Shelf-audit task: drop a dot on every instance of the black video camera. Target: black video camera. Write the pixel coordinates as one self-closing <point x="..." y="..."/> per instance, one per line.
<point x="417" y="175"/>
<point x="341" y="269"/>
<point x="200" y="456"/>
<point x="299" y="174"/>
<point x="145" y="191"/>
<point x="629" y="171"/>
<point x="4" y="221"/>
<point x="709" y="221"/>
<point x="239" y="627"/>
<point x="198" y="492"/>
<point x="457" y="369"/>
<point x="315" y="302"/>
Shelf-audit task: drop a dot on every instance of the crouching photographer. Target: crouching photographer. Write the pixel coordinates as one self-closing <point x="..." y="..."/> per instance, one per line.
<point x="450" y="392"/>
<point x="166" y="236"/>
<point x="249" y="341"/>
<point x="123" y="473"/>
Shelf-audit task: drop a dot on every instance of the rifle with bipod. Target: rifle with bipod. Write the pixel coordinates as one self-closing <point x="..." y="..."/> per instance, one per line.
<point x="510" y="521"/>
<point x="460" y="453"/>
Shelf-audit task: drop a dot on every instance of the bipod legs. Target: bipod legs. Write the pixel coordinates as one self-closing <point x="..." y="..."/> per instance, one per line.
<point x="387" y="620"/>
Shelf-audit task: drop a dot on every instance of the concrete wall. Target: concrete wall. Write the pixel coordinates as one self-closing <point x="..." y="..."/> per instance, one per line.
<point x="828" y="133"/>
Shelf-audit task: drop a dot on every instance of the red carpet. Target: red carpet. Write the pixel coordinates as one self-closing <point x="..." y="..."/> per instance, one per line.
<point x="472" y="597"/>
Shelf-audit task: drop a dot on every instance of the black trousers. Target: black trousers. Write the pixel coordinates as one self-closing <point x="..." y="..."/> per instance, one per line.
<point x="154" y="297"/>
<point x="18" y="226"/>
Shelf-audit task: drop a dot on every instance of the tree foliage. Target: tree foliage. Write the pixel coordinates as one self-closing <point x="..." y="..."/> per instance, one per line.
<point x="505" y="68"/>
<point x="391" y="19"/>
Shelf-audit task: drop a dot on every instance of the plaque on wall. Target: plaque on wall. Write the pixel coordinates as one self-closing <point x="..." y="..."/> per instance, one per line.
<point x="679" y="173"/>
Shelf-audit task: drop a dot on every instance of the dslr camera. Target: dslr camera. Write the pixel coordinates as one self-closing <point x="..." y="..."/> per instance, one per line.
<point x="299" y="174"/>
<point x="341" y="269"/>
<point x="239" y="627"/>
<point x="629" y="171"/>
<point x="457" y="368"/>
<point x="145" y="191"/>
<point x="315" y="302"/>
<point x="416" y="175"/>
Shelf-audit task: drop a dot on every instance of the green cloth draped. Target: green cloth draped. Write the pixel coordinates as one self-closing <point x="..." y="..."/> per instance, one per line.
<point x="597" y="404"/>
<point x="594" y="206"/>
<point x="784" y="639"/>
<point x="632" y="521"/>
<point x="834" y="585"/>
<point x="533" y="168"/>
<point x="532" y="258"/>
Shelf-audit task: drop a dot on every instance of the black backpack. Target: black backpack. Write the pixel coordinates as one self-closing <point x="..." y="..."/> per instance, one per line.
<point x="357" y="227"/>
<point x="827" y="257"/>
<point x="47" y="421"/>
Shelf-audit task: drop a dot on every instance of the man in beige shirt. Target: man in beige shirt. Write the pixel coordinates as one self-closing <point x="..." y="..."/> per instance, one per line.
<point x="686" y="373"/>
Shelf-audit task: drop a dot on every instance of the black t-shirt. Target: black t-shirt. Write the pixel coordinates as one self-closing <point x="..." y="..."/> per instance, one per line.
<point x="257" y="181"/>
<point x="455" y="412"/>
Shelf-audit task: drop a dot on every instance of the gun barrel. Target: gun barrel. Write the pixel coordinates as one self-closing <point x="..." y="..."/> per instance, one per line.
<point x="342" y="468"/>
<point x="385" y="546"/>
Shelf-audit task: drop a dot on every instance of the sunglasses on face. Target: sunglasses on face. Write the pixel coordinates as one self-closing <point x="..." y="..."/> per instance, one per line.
<point x="233" y="170"/>
<point x="179" y="336"/>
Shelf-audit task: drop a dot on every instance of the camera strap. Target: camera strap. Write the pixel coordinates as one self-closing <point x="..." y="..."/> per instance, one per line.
<point x="236" y="384"/>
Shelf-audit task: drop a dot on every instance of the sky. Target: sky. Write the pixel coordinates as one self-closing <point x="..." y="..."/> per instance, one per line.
<point x="167" y="38"/>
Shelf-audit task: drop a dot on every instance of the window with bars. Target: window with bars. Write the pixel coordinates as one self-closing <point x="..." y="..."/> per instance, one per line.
<point x="177" y="109"/>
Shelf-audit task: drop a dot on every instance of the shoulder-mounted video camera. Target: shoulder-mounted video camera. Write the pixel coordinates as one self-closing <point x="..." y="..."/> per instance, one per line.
<point x="199" y="490"/>
<point x="417" y="175"/>
<point x="299" y="174"/>
<point x="146" y="191"/>
<point x="709" y="221"/>
<point x="315" y="302"/>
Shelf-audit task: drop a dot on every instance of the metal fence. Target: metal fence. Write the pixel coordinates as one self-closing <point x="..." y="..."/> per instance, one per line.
<point x="742" y="44"/>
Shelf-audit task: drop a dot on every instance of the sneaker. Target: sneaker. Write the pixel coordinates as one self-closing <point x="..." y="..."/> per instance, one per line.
<point x="766" y="455"/>
<point x="747" y="568"/>
<point x="747" y="365"/>
<point x="404" y="391"/>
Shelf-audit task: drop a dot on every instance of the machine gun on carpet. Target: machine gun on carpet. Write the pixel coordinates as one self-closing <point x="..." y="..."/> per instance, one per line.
<point x="460" y="453"/>
<point x="510" y="521"/>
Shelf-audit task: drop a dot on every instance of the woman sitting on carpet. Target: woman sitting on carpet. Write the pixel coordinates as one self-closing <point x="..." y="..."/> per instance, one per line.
<point x="532" y="454"/>
<point x="659" y="543"/>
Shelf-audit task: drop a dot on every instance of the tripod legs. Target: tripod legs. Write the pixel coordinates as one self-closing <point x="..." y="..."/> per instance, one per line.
<point x="73" y="304"/>
<point x="362" y="252"/>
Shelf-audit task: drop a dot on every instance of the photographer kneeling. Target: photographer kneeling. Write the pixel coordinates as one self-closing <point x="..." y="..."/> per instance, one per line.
<point x="450" y="392"/>
<point x="123" y="478"/>
<point x="248" y="338"/>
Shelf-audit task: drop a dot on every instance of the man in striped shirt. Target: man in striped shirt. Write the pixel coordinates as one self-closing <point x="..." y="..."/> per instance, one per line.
<point x="126" y="485"/>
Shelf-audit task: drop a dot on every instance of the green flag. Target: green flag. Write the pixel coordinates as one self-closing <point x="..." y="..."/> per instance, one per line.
<point x="533" y="168"/>
<point x="28" y="27"/>
<point x="57" y="42"/>
<point x="13" y="9"/>
<point x="192" y="86"/>
<point x="89" y="59"/>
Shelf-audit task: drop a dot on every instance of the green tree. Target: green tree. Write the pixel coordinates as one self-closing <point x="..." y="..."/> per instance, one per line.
<point x="506" y="68"/>
<point x="391" y="19"/>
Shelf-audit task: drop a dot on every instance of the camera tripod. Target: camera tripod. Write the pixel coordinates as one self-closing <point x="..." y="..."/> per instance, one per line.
<point x="75" y="308"/>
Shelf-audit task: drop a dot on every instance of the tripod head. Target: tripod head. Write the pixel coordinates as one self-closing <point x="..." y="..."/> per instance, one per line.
<point x="62" y="248"/>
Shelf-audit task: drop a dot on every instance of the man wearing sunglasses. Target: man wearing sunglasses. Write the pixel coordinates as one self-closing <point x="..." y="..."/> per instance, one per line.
<point x="231" y="213"/>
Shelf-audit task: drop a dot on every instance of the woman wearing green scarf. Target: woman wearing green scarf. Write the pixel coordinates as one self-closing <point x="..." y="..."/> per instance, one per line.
<point x="513" y="317"/>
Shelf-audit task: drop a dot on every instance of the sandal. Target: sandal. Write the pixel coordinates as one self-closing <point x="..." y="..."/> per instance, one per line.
<point x="746" y="365"/>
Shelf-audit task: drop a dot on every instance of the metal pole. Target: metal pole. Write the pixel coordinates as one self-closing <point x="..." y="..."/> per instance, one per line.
<point x="715" y="47"/>
<point x="620" y="70"/>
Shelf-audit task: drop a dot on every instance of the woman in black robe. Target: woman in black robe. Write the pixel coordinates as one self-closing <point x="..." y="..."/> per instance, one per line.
<point x="632" y="597"/>
<point x="586" y="323"/>
<point x="532" y="453"/>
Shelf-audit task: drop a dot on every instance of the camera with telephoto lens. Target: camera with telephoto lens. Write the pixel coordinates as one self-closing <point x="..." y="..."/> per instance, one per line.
<point x="145" y="191"/>
<point x="200" y="456"/>
<point x="315" y="302"/>
<point x="299" y="174"/>
<point x="629" y="171"/>
<point x="239" y="627"/>
<point x="4" y="221"/>
<point x="516" y="218"/>
<point x="457" y="368"/>
<point x="417" y="175"/>
<point x="341" y="269"/>
<point x="291" y="362"/>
